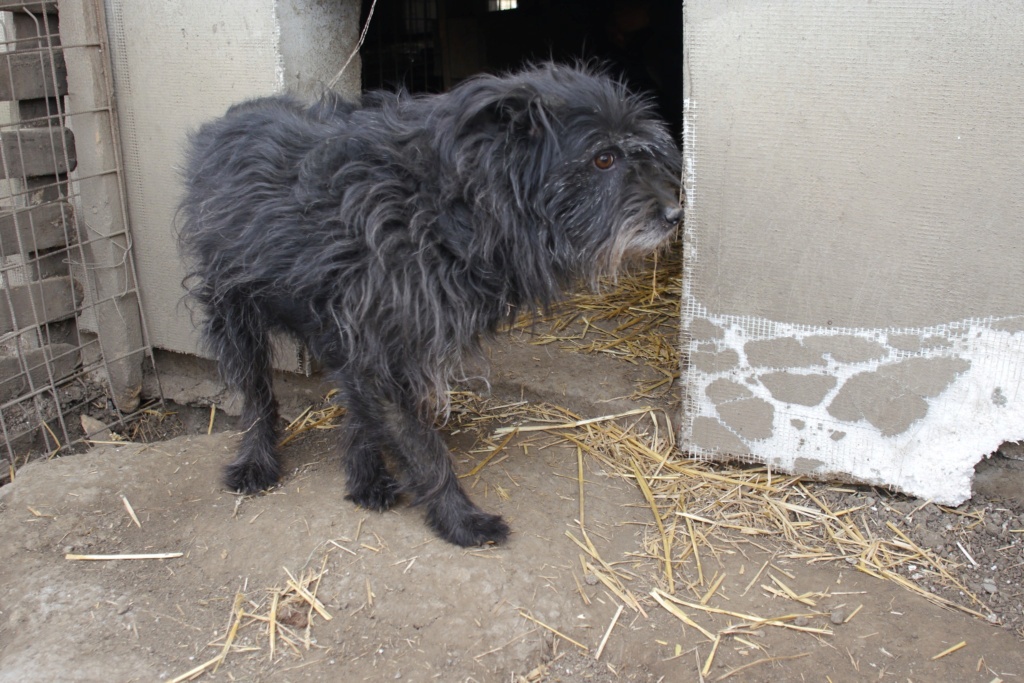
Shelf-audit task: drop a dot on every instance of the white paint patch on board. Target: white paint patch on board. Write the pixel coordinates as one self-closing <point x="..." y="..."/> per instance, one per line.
<point x="913" y="409"/>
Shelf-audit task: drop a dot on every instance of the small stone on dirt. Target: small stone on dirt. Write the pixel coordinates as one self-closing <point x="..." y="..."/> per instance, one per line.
<point x="123" y="604"/>
<point x="94" y="429"/>
<point x="837" y="616"/>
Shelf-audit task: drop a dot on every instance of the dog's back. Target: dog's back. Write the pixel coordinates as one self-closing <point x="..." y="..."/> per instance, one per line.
<point x="243" y="163"/>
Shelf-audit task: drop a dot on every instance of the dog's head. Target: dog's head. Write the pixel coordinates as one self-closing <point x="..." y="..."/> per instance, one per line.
<point x="589" y="173"/>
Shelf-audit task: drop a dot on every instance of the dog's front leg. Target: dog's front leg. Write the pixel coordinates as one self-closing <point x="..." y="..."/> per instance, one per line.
<point x="432" y="480"/>
<point x="363" y="438"/>
<point x="256" y="467"/>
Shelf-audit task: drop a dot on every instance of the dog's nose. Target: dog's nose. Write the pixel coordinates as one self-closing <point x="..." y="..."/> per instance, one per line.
<point x="672" y="215"/>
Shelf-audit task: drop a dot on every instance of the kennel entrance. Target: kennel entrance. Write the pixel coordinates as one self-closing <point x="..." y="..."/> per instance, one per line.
<point x="431" y="45"/>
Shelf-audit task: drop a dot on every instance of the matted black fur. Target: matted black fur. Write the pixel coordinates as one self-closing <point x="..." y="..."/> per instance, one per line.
<point x="390" y="237"/>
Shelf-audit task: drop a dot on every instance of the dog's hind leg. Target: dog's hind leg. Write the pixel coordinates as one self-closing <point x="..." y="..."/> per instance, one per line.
<point x="242" y="345"/>
<point x="432" y="480"/>
<point x="369" y="482"/>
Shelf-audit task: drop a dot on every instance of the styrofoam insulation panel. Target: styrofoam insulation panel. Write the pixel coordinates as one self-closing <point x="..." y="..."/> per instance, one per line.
<point x="852" y="303"/>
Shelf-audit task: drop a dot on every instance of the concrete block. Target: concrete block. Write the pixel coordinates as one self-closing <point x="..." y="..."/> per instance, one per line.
<point x="33" y="152"/>
<point x="35" y="228"/>
<point x="26" y="306"/>
<point x="55" y="361"/>
<point x="32" y="74"/>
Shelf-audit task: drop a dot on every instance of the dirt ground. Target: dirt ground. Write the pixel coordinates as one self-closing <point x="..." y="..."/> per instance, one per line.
<point x="569" y="598"/>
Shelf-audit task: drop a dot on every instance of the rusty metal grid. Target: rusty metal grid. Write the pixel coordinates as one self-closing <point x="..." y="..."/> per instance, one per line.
<point x="52" y="366"/>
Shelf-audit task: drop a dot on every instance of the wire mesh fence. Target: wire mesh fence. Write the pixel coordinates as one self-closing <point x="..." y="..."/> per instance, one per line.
<point x="70" y="320"/>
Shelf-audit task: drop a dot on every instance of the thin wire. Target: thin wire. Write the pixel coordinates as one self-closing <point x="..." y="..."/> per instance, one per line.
<point x="355" y="51"/>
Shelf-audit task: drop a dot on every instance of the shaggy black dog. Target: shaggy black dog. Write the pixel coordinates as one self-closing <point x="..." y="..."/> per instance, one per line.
<point x="390" y="237"/>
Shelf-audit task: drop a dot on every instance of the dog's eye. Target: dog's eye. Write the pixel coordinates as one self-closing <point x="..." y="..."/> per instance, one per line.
<point x="604" y="161"/>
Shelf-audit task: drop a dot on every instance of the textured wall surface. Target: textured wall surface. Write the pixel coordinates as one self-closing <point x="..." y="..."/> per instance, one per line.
<point x="181" y="62"/>
<point x="854" y="250"/>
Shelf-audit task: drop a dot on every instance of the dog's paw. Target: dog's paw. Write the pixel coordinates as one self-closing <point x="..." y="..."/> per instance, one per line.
<point x="379" y="495"/>
<point x="477" y="528"/>
<point x="250" y="477"/>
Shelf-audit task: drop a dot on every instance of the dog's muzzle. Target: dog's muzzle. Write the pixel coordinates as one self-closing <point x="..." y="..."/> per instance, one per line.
<point x="672" y="215"/>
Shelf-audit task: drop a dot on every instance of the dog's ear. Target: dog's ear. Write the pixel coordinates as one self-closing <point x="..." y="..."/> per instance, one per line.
<point x="527" y="123"/>
<point x="525" y="111"/>
<point x="506" y="130"/>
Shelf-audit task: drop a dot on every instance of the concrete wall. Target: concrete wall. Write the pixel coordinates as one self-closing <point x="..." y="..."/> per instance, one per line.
<point x="178" y="63"/>
<point x="854" y="236"/>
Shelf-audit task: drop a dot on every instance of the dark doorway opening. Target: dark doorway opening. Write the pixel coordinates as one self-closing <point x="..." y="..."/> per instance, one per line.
<point x="431" y="45"/>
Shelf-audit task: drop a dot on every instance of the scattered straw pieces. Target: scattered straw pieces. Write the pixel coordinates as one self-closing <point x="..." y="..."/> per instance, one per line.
<point x="606" y="574"/>
<point x="37" y="513"/>
<point x="694" y="504"/>
<point x="679" y="614"/>
<point x="752" y="621"/>
<point x="140" y="556"/>
<point x="192" y="673"/>
<point x="713" y="502"/>
<point x="283" y="616"/>
<point x="636" y="319"/>
<point x="131" y="511"/>
<point x="711" y="656"/>
<point x="236" y="608"/>
<point x="757" y="662"/>
<point x="967" y="555"/>
<point x="715" y="585"/>
<point x="604" y="640"/>
<point x="301" y="591"/>
<point x="666" y="540"/>
<point x="490" y="456"/>
<point x="272" y="625"/>
<point x="309" y="419"/>
<point x="788" y="592"/>
<point x="558" y="633"/>
<point x="950" y="650"/>
<point x="853" y="614"/>
<point x="571" y="425"/>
